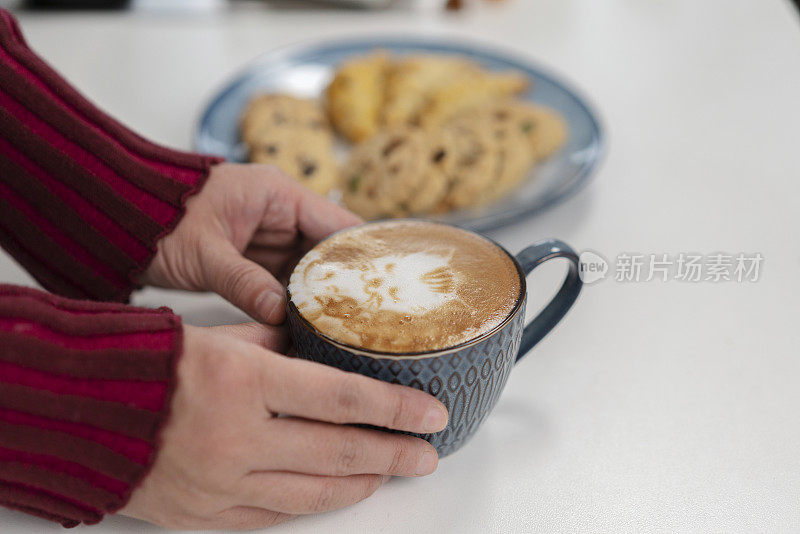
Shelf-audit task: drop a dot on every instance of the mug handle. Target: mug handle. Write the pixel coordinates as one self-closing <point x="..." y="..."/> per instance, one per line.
<point x="529" y="259"/>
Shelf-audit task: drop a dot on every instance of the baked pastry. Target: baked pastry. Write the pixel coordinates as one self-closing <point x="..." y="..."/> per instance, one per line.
<point x="467" y="93"/>
<point x="398" y="172"/>
<point x="355" y="96"/>
<point x="293" y="134"/>
<point x="471" y="163"/>
<point x="544" y="127"/>
<point x="412" y="79"/>
<point x="269" y="112"/>
<point x="434" y="133"/>
<point x="309" y="159"/>
<point x="513" y="159"/>
<point x="430" y="193"/>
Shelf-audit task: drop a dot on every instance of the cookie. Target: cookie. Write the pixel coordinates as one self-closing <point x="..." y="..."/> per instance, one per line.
<point x="269" y="112"/>
<point x="412" y="79"/>
<point x="471" y="163"/>
<point x="355" y="96"/>
<point x="430" y="193"/>
<point x="464" y="94"/>
<point x="398" y="172"/>
<point x="360" y="187"/>
<point x="513" y="159"/>
<point x="545" y="129"/>
<point x="307" y="158"/>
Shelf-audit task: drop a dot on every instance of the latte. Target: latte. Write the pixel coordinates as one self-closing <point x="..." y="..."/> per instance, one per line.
<point x="405" y="286"/>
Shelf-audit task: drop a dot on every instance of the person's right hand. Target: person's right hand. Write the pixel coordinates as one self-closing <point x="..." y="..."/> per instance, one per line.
<point x="227" y="460"/>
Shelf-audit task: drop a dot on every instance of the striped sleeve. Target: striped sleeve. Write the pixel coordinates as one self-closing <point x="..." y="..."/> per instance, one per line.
<point x="85" y="388"/>
<point x="83" y="200"/>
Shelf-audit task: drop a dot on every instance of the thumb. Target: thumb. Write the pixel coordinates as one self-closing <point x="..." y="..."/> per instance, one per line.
<point x="244" y="283"/>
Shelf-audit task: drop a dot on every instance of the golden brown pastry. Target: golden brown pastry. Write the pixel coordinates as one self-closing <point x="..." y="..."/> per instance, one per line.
<point x="514" y="159"/>
<point x="355" y="96"/>
<point x="544" y="127"/>
<point x="412" y="79"/>
<point x="472" y="162"/>
<point x="398" y="172"/>
<point x="268" y="112"/>
<point x="309" y="159"/>
<point x="464" y="94"/>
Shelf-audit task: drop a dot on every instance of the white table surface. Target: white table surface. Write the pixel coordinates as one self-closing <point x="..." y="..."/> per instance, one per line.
<point x="654" y="407"/>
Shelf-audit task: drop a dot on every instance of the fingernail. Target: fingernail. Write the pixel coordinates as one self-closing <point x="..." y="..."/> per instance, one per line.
<point x="427" y="463"/>
<point x="386" y="478"/>
<point x="270" y="307"/>
<point x="435" y="420"/>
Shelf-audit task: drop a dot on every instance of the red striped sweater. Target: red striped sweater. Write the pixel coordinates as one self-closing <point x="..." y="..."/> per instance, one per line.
<point x="85" y="387"/>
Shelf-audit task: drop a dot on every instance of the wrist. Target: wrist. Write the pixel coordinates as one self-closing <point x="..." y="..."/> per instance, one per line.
<point x="83" y="199"/>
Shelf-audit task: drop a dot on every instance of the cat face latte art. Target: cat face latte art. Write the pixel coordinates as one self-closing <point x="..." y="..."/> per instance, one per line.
<point x="407" y="286"/>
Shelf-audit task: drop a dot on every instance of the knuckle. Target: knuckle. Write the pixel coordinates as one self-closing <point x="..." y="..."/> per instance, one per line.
<point x="325" y="497"/>
<point x="348" y="399"/>
<point x="399" y="406"/>
<point x="237" y="279"/>
<point x="348" y="455"/>
<point x="399" y="459"/>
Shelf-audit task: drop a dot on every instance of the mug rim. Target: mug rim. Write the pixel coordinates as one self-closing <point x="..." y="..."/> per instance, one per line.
<point x="523" y="291"/>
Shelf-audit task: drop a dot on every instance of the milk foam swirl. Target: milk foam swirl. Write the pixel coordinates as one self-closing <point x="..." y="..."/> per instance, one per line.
<point x="409" y="284"/>
<point x="404" y="286"/>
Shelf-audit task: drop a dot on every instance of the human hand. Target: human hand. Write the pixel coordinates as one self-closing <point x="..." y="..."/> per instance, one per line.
<point x="242" y="232"/>
<point x="228" y="461"/>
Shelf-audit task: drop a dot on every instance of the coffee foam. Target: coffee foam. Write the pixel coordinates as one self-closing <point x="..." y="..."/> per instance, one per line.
<point x="405" y="286"/>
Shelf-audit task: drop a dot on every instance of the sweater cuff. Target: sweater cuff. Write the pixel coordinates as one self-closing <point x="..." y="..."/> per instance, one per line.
<point x="85" y="389"/>
<point x="83" y="199"/>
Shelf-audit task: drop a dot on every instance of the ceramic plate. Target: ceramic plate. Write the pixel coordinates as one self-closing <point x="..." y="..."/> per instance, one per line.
<point x="305" y="70"/>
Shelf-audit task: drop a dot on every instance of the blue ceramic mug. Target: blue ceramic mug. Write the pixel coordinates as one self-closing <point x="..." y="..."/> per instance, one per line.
<point x="467" y="378"/>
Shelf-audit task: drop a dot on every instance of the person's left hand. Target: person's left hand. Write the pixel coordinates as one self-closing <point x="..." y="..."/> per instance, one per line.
<point x="241" y="233"/>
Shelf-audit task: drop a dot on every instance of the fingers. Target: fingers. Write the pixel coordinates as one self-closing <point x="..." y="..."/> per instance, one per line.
<point x="317" y="448"/>
<point x="295" y="493"/>
<point x="244" y="283"/>
<point x="318" y="217"/>
<point x="332" y="395"/>
<point x="275" y="238"/>
<point x="269" y="337"/>
<point x="279" y="262"/>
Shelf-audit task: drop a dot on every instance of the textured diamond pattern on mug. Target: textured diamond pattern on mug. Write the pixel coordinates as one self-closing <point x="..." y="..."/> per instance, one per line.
<point x="468" y="381"/>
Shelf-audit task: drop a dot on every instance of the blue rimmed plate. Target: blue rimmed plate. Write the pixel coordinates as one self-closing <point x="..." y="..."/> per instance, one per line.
<point x="305" y="70"/>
